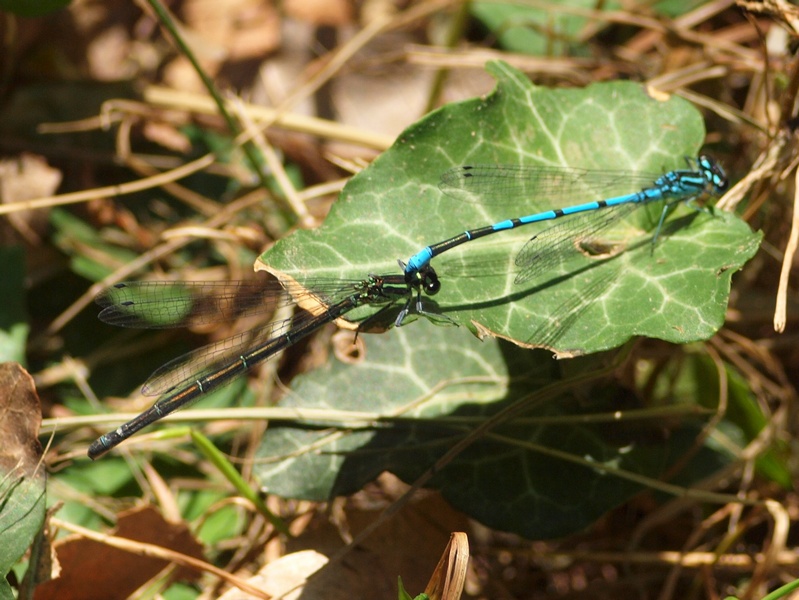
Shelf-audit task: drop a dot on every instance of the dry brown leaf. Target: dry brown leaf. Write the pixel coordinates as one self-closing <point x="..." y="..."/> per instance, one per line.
<point x="409" y="545"/>
<point x="90" y="569"/>
<point x="21" y="412"/>
<point x="284" y="577"/>
<point x="22" y="475"/>
<point x="26" y="177"/>
<point x="450" y="575"/>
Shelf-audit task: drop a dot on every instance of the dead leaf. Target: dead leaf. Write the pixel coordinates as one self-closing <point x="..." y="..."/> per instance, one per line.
<point x="91" y="569"/>
<point x="26" y="177"/>
<point x="409" y="544"/>
<point x="283" y="575"/>
<point x="22" y="475"/>
<point x="21" y="411"/>
<point x="450" y="575"/>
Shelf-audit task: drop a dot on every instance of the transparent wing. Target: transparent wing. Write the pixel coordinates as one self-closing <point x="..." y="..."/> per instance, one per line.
<point x="167" y="304"/>
<point x="545" y="251"/>
<point x="503" y="184"/>
<point x="197" y="364"/>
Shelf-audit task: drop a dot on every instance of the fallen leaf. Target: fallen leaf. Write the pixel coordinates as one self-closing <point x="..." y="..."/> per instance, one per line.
<point x="116" y="573"/>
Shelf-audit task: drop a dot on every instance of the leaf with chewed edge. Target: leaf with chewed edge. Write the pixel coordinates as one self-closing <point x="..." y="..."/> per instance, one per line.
<point x="676" y="290"/>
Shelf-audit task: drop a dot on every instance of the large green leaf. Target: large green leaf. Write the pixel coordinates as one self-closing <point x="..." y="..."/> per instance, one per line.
<point x="519" y="475"/>
<point x="676" y="290"/>
<point x="544" y="473"/>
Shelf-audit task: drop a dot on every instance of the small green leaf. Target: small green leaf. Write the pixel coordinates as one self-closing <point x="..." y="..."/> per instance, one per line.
<point x="402" y="593"/>
<point x="558" y="29"/>
<point x="73" y="235"/>
<point x="744" y="420"/>
<point x="533" y="30"/>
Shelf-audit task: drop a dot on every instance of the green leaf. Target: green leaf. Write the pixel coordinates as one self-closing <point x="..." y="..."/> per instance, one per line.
<point x="676" y="290"/>
<point x="402" y="593"/>
<point x="22" y="508"/>
<point x="73" y="235"/>
<point x="676" y="8"/>
<point x="533" y="30"/>
<point x="744" y="419"/>
<point x="555" y="30"/>
<point x="434" y="386"/>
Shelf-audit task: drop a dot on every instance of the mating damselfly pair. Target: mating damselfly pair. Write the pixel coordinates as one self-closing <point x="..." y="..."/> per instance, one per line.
<point x="188" y="378"/>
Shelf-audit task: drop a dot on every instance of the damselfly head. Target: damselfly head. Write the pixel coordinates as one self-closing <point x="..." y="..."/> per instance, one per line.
<point x="425" y="278"/>
<point x="714" y="175"/>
